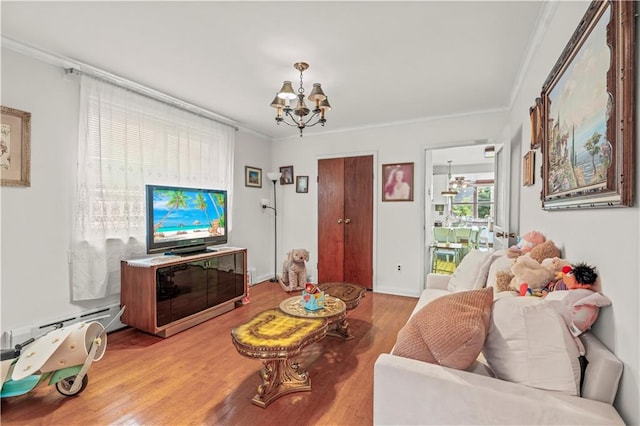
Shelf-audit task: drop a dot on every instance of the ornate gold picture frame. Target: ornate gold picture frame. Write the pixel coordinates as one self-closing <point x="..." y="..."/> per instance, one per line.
<point x="588" y="113"/>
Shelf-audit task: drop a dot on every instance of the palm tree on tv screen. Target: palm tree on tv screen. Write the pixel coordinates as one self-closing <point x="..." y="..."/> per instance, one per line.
<point x="201" y="202"/>
<point x="177" y="200"/>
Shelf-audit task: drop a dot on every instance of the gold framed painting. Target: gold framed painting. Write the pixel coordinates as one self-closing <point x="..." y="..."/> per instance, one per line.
<point x="528" y="166"/>
<point x="535" y="115"/>
<point x="588" y="114"/>
<point x="15" y="147"/>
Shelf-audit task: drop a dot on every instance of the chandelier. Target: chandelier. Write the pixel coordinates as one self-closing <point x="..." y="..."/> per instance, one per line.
<point x="298" y="116"/>
<point x="450" y="192"/>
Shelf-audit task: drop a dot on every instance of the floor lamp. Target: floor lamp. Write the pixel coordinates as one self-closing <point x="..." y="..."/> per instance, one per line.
<point x="274" y="176"/>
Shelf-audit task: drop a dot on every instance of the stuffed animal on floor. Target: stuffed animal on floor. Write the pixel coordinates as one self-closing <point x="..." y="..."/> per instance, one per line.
<point x="526" y="243"/>
<point x="294" y="270"/>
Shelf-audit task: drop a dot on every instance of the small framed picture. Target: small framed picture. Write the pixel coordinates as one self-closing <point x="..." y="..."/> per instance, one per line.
<point x="397" y="182"/>
<point x="302" y="184"/>
<point x="286" y="178"/>
<point x="252" y="177"/>
<point x="15" y="147"/>
<point x="528" y="166"/>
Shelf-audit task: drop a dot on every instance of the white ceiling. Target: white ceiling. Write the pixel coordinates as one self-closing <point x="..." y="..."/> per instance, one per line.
<point x="378" y="62"/>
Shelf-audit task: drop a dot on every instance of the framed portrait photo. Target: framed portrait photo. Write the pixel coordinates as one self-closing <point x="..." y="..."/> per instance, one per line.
<point x="252" y="177"/>
<point x="397" y="182"/>
<point x="302" y="184"/>
<point x="286" y="178"/>
<point x="15" y="147"/>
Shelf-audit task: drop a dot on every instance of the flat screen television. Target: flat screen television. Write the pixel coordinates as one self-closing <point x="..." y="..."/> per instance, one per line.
<point x="185" y="220"/>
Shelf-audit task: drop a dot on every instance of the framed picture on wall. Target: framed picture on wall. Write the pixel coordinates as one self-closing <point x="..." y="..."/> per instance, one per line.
<point x="397" y="182"/>
<point x="286" y="178"/>
<point x="252" y="177"/>
<point x="302" y="184"/>
<point x="588" y="113"/>
<point x="528" y="166"/>
<point x="15" y="147"/>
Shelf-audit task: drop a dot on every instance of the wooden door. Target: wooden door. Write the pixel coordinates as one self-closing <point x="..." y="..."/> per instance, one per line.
<point x="330" y="220"/>
<point x="345" y="220"/>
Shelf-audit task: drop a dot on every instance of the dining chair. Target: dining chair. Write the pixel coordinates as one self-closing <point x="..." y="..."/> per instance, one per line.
<point x="443" y="235"/>
<point x="443" y="259"/>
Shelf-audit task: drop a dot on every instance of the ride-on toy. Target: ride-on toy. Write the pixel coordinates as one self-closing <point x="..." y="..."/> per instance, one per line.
<point x="61" y="357"/>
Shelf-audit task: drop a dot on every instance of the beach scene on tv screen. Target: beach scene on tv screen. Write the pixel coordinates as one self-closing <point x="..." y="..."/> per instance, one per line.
<point x="184" y="214"/>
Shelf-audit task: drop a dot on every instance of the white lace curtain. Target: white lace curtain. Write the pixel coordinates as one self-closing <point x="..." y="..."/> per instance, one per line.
<point x="125" y="141"/>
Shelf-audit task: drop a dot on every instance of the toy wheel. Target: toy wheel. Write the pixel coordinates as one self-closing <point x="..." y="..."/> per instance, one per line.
<point x="64" y="385"/>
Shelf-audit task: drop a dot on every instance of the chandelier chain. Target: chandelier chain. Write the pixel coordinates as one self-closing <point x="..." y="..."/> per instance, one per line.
<point x="301" y="89"/>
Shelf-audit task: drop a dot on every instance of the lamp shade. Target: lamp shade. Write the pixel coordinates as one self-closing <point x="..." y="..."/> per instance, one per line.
<point x="287" y="91"/>
<point x="274" y="176"/>
<point x="316" y="93"/>
<point x="278" y="102"/>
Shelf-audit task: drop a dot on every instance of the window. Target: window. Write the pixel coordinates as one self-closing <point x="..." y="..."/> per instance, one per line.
<point x="474" y="202"/>
<point x="125" y="141"/>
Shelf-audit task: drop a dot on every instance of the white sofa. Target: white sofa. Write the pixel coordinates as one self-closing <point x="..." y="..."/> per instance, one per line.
<point x="411" y="392"/>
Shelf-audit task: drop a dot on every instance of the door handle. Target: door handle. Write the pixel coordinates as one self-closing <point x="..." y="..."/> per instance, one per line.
<point x="339" y="221"/>
<point x="505" y="235"/>
<point x="347" y="221"/>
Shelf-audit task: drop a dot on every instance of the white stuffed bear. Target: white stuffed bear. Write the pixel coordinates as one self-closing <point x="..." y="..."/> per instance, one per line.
<point x="294" y="271"/>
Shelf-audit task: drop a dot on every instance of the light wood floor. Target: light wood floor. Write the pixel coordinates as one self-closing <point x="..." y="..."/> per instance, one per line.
<point x="197" y="376"/>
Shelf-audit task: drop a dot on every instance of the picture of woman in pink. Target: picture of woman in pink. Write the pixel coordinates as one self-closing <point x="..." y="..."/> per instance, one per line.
<point x="397" y="187"/>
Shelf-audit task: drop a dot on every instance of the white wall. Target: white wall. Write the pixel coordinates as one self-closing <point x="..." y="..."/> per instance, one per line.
<point x="36" y="221"/>
<point x="253" y="225"/>
<point x="606" y="238"/>
<point x="398" y="226"/>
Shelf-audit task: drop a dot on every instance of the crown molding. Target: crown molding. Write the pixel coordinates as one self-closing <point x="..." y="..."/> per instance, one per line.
<point x="543" y="23"/>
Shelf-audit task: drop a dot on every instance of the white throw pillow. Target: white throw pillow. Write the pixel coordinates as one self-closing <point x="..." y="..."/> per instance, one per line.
<point x="529" y="343"/>
<point x="471" y="273"/>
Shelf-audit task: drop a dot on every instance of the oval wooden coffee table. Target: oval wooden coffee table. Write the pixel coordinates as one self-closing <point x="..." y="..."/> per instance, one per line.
<point x="334" y="311"/>
<point x="274" y="337"/>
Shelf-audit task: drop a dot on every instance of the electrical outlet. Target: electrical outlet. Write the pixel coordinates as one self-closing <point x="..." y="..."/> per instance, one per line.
<point x="399" y="267"/>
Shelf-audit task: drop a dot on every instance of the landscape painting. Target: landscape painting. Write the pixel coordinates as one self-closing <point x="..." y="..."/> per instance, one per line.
<point x="585" y="109"/>
<point x="578" y="151"/>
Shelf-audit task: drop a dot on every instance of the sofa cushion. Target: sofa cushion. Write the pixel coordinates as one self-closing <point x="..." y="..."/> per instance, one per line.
<point x="471" y="273"/>
<point x="529" y="343"/>
<point x="448" y="331"/>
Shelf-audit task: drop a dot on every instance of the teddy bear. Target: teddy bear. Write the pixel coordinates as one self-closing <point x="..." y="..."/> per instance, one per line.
<point x="544" y="251"/>
<point x="294" y="270"/>
<point x="526" y="243"/>
<point x="546" y="254"/>
<point x="529" y="271"/>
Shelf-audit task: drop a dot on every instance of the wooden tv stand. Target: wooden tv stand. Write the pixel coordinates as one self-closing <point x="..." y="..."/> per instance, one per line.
<point x="165" y="295"/>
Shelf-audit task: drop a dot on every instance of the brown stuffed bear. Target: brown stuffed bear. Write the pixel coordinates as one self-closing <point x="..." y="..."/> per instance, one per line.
<point x="294" y="271"/>
<point x="545" y="250"/>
